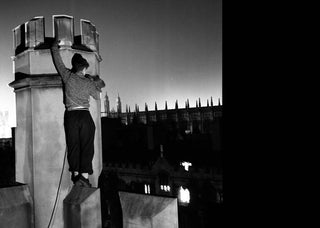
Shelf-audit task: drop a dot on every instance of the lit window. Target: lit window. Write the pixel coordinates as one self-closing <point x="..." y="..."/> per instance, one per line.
<point x="165" y="188"/>
<point x="186" y="165"/>
<point x="147" y="189"/>
<point x="219" y="197"/>
<point x="184" y="195"/>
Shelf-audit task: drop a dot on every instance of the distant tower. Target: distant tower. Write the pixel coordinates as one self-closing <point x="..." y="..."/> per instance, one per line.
<point x="176" y="105"/>
<point x="166" y="106"/>
<point x="199" y="102"/>
<point x="219" y="102"/>
<point x="107" y="104"/>
<point x="211" y="102"/>
<point x="118" y="101"/>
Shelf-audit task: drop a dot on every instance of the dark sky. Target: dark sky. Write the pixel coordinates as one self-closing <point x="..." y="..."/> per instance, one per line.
<point x="152" y="50"/>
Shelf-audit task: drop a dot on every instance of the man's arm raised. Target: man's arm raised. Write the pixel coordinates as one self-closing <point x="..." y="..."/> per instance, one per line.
<point x="58" y="63"/>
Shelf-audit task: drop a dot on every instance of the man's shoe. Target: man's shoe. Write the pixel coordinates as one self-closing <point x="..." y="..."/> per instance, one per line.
<point x="75" y="178"/>
<point x="83" y="182"/>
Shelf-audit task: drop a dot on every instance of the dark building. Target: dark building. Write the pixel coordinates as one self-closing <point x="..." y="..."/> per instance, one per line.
<point x="171" y="152"/>
<point x="174" y="152"/>
<point x="7" y="161"/>
<point x="192" y="134"/>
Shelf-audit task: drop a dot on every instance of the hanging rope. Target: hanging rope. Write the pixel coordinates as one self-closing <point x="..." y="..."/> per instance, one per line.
<point x="58" y="190"/>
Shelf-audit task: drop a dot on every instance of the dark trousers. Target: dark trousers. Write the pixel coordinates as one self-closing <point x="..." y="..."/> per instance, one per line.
<point x="80" y="129"/>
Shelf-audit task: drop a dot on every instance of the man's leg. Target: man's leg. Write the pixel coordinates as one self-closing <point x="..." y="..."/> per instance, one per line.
<point x="72" y="139"/>
<point x="87" y="133"/>
<point x="75" y="176"/>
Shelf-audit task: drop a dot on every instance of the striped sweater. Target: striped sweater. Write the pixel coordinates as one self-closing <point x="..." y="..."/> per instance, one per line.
<point x="78" y="89"/>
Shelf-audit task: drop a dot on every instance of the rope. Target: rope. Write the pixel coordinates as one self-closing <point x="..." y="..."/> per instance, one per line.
<point x="58" y="190"/>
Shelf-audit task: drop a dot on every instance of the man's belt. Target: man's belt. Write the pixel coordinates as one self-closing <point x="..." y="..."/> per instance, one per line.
<point x="77" y="108"/>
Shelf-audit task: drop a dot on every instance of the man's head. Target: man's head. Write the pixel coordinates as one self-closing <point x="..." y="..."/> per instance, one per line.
<point x="79" y="63"/>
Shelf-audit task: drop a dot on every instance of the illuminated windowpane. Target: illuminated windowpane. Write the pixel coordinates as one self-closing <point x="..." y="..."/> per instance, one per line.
<point x="219" y="197"/>
<point x="34" y="31"/>
<point x="184" y="195"/>
<point x="89" y="35"/>
<point x="186" y="165"/>
<point x="165" y="188"/>
<point x="147" y="189"/>
<point x="63" y="29"/>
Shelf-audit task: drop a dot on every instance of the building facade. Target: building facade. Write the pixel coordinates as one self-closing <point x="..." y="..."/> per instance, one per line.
<point x="7" y="161"/>
<point x="199" y="190"/>
<point x="175" y="153"/>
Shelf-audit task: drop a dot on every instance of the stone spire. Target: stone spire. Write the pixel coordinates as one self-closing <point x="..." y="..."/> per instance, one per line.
<point x="106" y="104"/>
<point x="137" y="108"/>
<point x="118" y="101"/>
<point x="146" y="107"/>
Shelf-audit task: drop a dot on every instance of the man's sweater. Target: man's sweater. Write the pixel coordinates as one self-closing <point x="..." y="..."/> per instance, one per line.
<point x="77" y="88"/>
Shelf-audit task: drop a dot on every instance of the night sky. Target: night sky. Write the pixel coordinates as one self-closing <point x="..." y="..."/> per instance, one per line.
<point x="152" y="50"/>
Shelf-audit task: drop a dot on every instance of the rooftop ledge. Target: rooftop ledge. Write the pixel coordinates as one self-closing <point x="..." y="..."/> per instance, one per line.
<point x="27" y="81"/>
